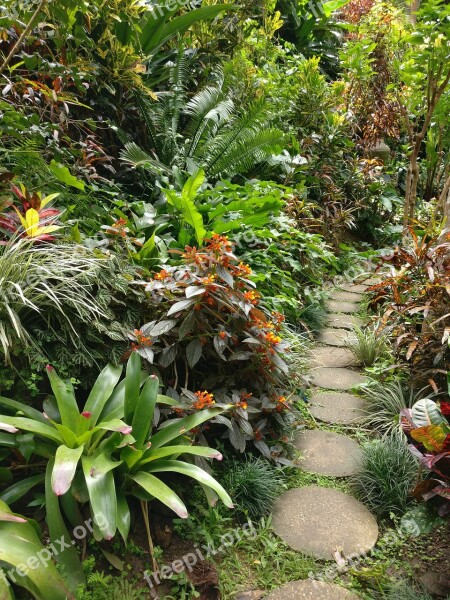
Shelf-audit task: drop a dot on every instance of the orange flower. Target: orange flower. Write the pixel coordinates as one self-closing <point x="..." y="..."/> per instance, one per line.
<point x="242" y="405"/>
<point x="244" y="269"/>
<point x="141" y="339"/>
<point x="252" y="297"/>
<point x="223" y="335"/>
<point x="163" y="274"/>
<point x="204" y="399"/>
<point x="272" y="338"/>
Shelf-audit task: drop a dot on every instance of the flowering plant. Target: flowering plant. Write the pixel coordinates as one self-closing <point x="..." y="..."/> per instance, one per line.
<point x="215" y="334"/>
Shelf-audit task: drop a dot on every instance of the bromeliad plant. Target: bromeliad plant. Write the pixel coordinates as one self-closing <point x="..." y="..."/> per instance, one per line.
<point x="96" y="457"/>
<point x="21" y="547"/>
<point x="427" y="427"/>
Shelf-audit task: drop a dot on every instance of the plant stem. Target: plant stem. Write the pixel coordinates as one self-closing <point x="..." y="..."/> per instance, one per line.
<point x="22" y="36"/>
<point x="144" y="508"/>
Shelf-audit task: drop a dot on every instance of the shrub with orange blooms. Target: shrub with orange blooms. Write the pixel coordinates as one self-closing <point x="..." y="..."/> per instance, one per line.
<point x="214" y="334"/>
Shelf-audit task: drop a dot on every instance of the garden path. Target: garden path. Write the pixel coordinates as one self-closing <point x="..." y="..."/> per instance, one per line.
<point x="319" y="521"/>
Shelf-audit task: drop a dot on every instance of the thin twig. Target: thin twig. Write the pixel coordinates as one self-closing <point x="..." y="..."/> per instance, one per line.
<point x="23" y="35"/>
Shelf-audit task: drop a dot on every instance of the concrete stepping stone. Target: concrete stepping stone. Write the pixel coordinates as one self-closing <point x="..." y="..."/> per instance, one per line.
<point x="335" y="378"/>
<point x="338" y="306"/>
<point x="328" y="453"/>
<point x="344" y="321"/>
<point x="338" y="408"/>
<point x="322" y="522"/>
<point x="335" y="337"/>
<point x="333" y="356"/>
<point x="356" y="288"/>
<point x="346" y="296"/>
<point x="310" y="589"/>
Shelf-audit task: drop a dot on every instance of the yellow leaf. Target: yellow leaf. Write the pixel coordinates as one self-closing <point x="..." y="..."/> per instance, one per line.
<point x="48" y="199"/>
<point x="31" y="222"/>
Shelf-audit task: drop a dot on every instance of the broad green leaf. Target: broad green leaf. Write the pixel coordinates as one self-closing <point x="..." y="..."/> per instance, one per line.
<point x="193" y="184"/>
<point x="102" y="497"/>
<point x="162" y="492"/>
<point x="63" y="174"/>
<point x="33" y="426"/>
<point x="123" y="517"/>
<point x="28" y="411"/>
<point x="20" y="488"/>
<point x="143" y="415"/>
<point x="66" y="462"/>
<point x="182" y="426"/>
<point x="177" y="466"/>
<point x="65" y="397"/>
<point x="101" y="392"/>
<point x="67" y="557"/>
<point x="155" y="454"/>
<point x="132" y="386"/>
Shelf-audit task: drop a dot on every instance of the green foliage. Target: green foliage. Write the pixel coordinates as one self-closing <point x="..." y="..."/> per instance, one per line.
<point x="216" y="137"/>
<point x="20" y="552"/>
<point x="253" y="485"/>
<point x="368" y="345"/>
<point x="385" y="401"/>
<point x="387" y="476"/>
<point x="106" y="587"/>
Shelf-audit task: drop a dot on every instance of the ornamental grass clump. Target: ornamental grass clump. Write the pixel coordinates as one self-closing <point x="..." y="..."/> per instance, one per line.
<point x="387" y="476"/>
<point x="253" y="485"/>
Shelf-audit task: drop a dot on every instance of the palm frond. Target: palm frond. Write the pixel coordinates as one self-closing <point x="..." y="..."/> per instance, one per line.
<point x="136" y="157"/>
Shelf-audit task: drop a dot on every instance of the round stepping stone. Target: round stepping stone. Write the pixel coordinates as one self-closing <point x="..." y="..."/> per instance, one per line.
<point x="323" y="521"/>
<point x="346" y="296"/>
<point x="334" y="378"/>
<point x="328" y="453"/>
<point x="310" y="589"/>
<point x="344" y="321"/>
<point x="342" y="307"/>
<point x="328" y="356"/>
<point x="335" y="337"/>
<point x="337" y="408"/>
<point x="356" y="288"/>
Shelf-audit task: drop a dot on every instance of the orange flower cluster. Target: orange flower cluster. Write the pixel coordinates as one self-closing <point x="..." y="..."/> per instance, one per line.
<point x="252" y="297"/>
<point x="219" y="243"/>
<point x="162" y="275"/>
<point x="141" y="339"/>
<point x="271" y="338"/>
<point x="119" y="228"/>
<point x="204" y="399"/>
<point x="281" y="403"/>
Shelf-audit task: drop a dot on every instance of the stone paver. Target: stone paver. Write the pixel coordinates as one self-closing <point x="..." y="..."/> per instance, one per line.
<point x="333" y="356"/>
<point x="344" y="321"/>
<point x="338" y="408"/>
<point x="334" y="378"/>
<point x="335" y="337"/>
<point x="310" y="589"/>
<point x="346" y="296"/>
<point x="356" y="288"/>
<point x="338" y="306"/>
<point x="323" y="521"/>
<point x="327" y="453"/>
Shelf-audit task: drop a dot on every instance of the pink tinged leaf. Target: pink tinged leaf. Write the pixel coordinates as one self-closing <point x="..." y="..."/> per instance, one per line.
<point x="125" y="429"/>
<point x="8" y="428"/>
<point x="8" y="516"/>
<point x="218" y="456"/>
<point x="64" y="470"/>
<point x="86" y="414"/>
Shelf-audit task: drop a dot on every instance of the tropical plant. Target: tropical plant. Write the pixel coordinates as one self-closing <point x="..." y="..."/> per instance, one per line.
<point x="216" y="137"/>
<point x="427" y="427"/>
<point x="368" y="345"/>
<point x="415" y="299"/>
<point x="254" y="485"/>
<point x="385" y="401"/>
<point x="36" y="279"/>
<point x="22" y="556"/>
<point x="34" y="221"/>
<point x="92" y="456"/>
<point x="387" y="475"/>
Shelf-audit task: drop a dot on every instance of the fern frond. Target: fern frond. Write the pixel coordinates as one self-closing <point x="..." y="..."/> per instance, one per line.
<point x="136" y="157"/>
